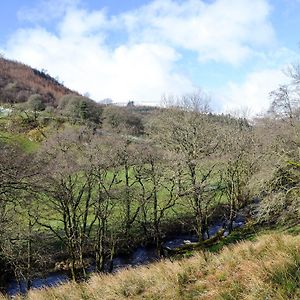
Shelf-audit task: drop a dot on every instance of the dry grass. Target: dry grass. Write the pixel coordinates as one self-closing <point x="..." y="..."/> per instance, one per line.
<point x="266" y="269"/>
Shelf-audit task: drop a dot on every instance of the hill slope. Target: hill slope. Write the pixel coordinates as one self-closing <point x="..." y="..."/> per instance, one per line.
<point x="18" y="81"/>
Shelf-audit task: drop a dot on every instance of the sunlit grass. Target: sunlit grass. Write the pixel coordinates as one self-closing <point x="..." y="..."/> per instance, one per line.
<point x="266" y="269"/>
<point x="20" y="140"/>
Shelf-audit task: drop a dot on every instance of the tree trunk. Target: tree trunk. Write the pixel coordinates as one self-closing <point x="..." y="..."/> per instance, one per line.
<point x="127" y="202"/>
<point x="29" y="255"/>
<point x="200" y="224"/>
<point x="111" y="257"/>
<point x="100" y="246"/>
<point x="231" y="214"/>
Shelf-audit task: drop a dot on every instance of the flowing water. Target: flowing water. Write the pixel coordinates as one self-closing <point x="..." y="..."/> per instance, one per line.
<point x="140" y="256"/>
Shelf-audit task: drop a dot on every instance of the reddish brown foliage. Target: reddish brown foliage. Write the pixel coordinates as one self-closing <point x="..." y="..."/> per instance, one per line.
<point x="18" y="81"/>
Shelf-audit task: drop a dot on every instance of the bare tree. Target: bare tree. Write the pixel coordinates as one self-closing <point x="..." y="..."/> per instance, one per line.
<point x="68" y="193"/>
<point x="194" y="136"/>
<point x="293" y="72"/>
<point x="18" y="174"/>
<point x="156" y="176"/>
<point x="126" y="156"/>
<point x="197" y="101"/>
<point x="241" y="161"/>
<point x="283" y="105"/>
<point x="106" y="170"/>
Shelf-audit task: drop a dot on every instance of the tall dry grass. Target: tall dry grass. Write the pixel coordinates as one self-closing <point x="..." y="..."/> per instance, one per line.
<point x="266" y="269"/>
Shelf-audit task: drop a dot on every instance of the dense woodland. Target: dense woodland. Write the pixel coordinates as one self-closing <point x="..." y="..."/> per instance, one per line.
<point x="81" y="181"/>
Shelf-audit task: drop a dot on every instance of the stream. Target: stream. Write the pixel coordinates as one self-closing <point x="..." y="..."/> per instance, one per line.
<point x="140" y="256"/>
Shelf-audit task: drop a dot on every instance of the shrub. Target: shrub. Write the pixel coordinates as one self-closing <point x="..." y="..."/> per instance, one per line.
<point x="36" y="103"/>
<point x="78" y="107"/>
<point x="123" y="120"/>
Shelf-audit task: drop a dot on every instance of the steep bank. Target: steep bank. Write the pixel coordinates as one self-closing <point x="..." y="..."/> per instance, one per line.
<point x="267" y="268"/>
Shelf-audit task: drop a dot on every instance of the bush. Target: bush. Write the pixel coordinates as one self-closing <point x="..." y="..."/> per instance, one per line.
<point x="282" y="203"/>
<point x="123" y="120"/>
<point x="36" y="103"/>
<point x="78" y="107"/>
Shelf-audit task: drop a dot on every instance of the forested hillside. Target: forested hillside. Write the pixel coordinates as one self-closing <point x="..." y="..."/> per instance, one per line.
<point x="18" y="82"/>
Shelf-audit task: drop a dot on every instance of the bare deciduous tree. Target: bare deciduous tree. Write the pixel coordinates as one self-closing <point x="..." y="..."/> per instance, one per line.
<point x="194" y="136"/>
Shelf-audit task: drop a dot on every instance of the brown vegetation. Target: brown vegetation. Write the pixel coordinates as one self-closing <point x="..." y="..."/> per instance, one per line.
<point x="18" y="81"/>
<point x="266" y="269"/>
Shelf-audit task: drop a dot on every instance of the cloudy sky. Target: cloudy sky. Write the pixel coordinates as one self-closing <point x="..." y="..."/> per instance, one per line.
<point x="235" y="50"/>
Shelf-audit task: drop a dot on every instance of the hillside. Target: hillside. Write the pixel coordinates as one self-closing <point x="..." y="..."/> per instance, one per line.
<point x="31" y="101"/>
<point x="268" y="268"/>
<point x="18" y="81"/>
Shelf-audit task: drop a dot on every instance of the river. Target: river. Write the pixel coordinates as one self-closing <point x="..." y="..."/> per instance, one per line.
<point x="140" y="256"/>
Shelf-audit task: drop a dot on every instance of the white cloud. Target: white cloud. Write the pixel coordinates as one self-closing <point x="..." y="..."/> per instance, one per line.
<point x="253" y="93"/>
<point x="144" y="65"/>
<point x="79" y="22"/>
<point x="141" y="72"/>
<point x="222" y="31"/>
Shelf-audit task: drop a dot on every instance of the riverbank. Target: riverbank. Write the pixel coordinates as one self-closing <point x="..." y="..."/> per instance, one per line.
<point x="268" y="267"/>
<point x="138" y="255"/>
<point x="140" y="251"/>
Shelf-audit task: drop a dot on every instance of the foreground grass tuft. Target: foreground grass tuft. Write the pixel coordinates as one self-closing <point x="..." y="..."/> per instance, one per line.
<point x="268" y="268"/>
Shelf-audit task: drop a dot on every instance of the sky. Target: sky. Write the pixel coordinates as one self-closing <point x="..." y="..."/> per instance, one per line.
<point x="236" y="51"/>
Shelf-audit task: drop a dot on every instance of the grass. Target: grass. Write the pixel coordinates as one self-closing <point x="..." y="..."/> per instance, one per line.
<point x="20" y="140"/>
<point x="294" y="229"/>
<point x="245" y="233"/>
<point x="268" y="268"/>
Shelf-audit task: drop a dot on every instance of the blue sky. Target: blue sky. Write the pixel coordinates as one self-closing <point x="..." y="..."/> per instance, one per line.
<point x="235" y="50"/>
